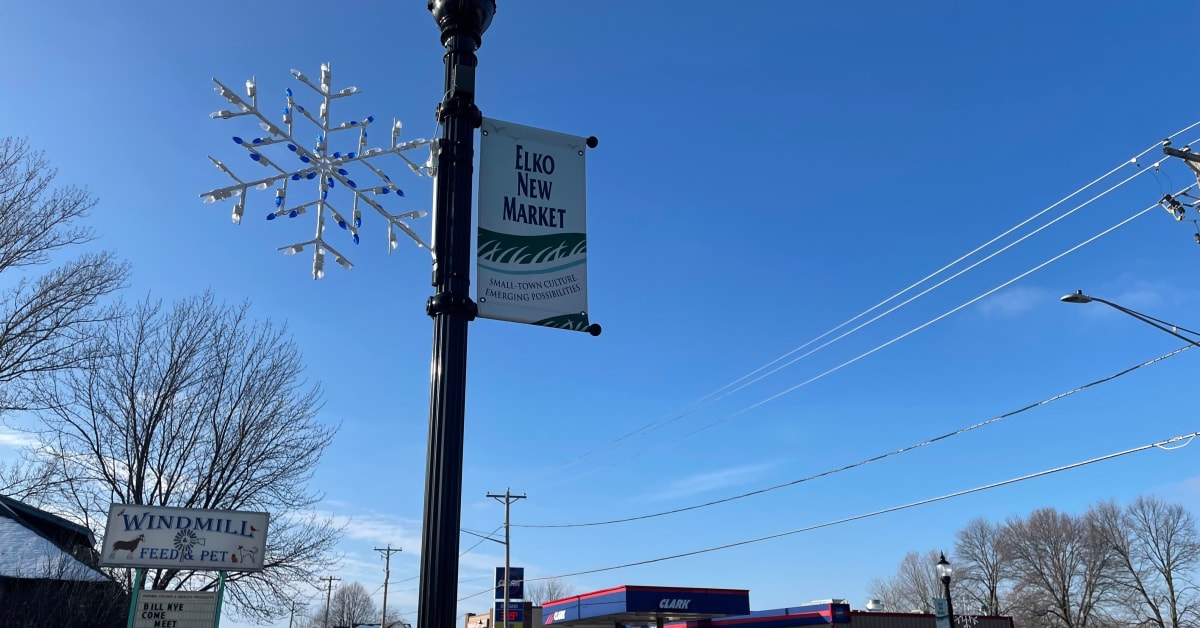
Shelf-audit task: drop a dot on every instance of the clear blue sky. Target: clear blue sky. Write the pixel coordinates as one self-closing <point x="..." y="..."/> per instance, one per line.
<point x="763" y="175"/>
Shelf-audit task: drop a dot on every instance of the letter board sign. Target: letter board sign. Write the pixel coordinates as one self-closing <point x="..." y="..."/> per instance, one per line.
<point x="516" y="612"/>
<point x="176" y="609"/>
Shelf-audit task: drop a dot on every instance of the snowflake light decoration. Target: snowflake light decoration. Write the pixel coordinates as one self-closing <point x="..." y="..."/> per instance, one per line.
<point x="327" y="168"/>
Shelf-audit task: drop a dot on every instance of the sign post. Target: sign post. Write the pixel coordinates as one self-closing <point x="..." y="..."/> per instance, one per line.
<point x="509" y="589"/>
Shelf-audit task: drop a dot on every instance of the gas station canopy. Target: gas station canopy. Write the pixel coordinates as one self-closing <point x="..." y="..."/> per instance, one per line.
<point x="630" y="605"/>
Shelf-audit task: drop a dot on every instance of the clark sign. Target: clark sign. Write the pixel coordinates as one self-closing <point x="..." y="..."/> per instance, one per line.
<point x="532" y="235"/>
<point x="184" y="538"/>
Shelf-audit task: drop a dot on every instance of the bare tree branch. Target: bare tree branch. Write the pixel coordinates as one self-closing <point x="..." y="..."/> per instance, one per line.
<point x="194" y="406"/>
<point x="979" y="566"/>
<point x="1156" y="546"/>
<point x="1059" y="566"/>
<point x="548" y="590"/>
<point x="913" y="587"/>
<point x="350" y="605"/>
<point x="44" y="319"/>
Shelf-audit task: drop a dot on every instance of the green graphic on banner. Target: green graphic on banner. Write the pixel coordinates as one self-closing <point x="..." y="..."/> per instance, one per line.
<point x="507" y="248"/>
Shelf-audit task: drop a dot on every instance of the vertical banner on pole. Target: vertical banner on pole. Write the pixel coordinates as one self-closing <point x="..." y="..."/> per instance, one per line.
<point x="532" y="235"/>
<point x="941" y="612"/>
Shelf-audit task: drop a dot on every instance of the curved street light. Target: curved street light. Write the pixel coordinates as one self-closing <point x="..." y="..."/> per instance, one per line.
<point x="944" y="573"/>
<point x="1079" y="297"/>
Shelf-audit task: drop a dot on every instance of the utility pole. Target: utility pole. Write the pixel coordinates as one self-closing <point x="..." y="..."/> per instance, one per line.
<point x="328" y="596"/>
<point x="387" y="571"/>
<point x="507" y="498"/>
<point x="292" y="616"/>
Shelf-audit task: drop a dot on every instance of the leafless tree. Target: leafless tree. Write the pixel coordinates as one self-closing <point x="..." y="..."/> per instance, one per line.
<point x="547" y="590"/>
<point x="1157" y="547"/>
<point x="27" y="479"/>
<point x="350" y="605"/>
<point x="1061" y="570"/>
<point x="44" y="318"/>
<point x="913" y="587"/>
<point x="194" y="406"/>
<point x="979" y="567"/>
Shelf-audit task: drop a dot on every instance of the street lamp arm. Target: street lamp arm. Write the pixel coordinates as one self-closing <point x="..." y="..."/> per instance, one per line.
<point x="1170" y="328"/>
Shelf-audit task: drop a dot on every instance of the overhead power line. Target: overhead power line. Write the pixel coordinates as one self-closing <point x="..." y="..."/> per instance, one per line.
<point x="1169" y="444"/>
<point x="931" y="321"/>
<point x="895" y="452"/>
<point x="757" y="374"/>
<point x="914" y="330"/>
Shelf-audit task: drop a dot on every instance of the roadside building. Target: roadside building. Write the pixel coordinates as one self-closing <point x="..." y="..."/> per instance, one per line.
<point x="676" y="607"/>
<point x="48" y="573"/>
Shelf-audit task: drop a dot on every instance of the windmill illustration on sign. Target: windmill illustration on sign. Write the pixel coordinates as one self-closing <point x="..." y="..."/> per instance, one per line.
<point x="184" y="541"/>
<point x="327" y="168"/>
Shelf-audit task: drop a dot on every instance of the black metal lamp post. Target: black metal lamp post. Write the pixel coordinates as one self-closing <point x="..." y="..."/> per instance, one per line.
<point x="1079" y="297"/>
<point x="462" y="24"/>
<point x="944" y="573"/>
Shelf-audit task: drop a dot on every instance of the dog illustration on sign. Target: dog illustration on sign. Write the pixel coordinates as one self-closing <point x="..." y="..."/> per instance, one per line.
<point x="128" y="545"/>
<point x="246" y="554"/>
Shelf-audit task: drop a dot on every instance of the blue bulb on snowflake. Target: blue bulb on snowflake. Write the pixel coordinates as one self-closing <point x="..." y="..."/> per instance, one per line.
<point x="293" y="214"/>
<point x="279" y="201"/>
<point x="299" y="108"/>
<point x="350" y="155"/>
<point x="237" y="140"/>
<point x="292" y="147"/>
<point x="384" y="190"/>
<point x="356" y="238"/>
<point x="271" y="216"/>
<point x="257" y="140"/>
<point x="351" y="183"/>
<point x="399" y="192"/>
<point x="324" y="195"/>
<point x="357" y="221"/>
<point x="310" y="176"/>
<point x="370" y="118"/>
<point x="342" y="223"/>
<point x="305" y="159"/>
<point x="342" y="171"/>
<point x="330" y="181"/>
<point x="255" y="156"/>
<point x="296" y="177"/>
<point x="288" y="91"/>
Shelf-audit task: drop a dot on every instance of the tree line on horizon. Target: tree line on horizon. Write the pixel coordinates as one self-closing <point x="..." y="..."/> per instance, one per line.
<point x="1132" y="565"/>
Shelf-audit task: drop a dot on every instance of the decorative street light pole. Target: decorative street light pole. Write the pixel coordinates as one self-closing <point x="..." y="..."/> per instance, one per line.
<point x="944" y="572"/>
<point x="1079" y="297"/>
<point x="462" y="24"/>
